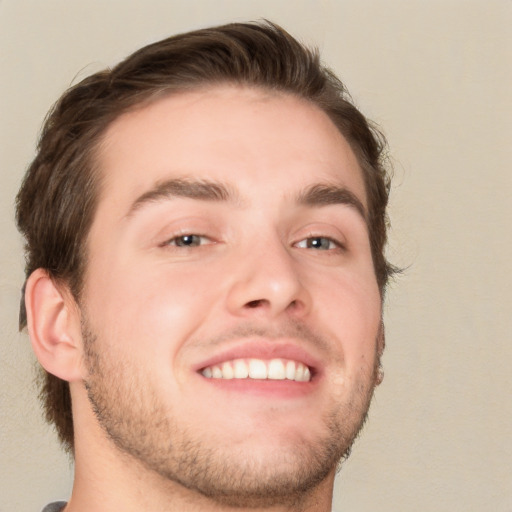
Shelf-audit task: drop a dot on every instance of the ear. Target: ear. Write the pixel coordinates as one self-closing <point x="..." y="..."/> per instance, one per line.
<point x="53" y="321"/>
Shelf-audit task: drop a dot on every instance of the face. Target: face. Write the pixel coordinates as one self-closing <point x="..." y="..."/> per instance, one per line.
<point x="231" y="307"/>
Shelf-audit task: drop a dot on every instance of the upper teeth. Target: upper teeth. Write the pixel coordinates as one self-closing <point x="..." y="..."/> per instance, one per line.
<point x="274" y="369"/>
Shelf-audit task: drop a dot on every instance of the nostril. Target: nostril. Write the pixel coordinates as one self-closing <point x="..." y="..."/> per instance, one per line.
<point x="254" y="303"/>
<point x="261" y="302"/>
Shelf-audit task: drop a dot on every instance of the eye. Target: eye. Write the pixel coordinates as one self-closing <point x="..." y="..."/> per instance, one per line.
<point x="188" y="240"/>
<point x="320" y="243"/>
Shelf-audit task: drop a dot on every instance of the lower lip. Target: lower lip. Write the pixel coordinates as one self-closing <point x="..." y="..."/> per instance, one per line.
<point x="268" y="388"/>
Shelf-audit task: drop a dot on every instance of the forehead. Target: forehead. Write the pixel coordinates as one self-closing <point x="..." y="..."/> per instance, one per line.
<point x="238" y="135"/>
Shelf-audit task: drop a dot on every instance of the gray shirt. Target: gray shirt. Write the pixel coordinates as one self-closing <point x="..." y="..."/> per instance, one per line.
<point x="56" y="506"/>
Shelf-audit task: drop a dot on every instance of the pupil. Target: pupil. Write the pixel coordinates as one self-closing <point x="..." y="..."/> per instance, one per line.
<point x="319" y="243"/>
<point x="188" y="240"/>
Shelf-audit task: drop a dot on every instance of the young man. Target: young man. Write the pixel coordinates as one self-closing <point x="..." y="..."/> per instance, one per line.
<point x="205" y="227"/>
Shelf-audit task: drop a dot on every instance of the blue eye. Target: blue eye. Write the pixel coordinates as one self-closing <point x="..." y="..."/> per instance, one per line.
<point x="321" y="243"/>
<point x="187" y="241"/>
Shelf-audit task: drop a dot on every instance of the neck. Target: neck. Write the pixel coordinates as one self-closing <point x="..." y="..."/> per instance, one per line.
<point x="126" y="485"/>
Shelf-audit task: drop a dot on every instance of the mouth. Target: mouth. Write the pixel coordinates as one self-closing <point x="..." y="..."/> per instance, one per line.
<point x="280" y="367"/>
<point x="277" y="369"/>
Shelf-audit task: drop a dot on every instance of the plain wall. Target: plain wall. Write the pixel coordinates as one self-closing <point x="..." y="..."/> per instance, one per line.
<point x="436" y="75"/>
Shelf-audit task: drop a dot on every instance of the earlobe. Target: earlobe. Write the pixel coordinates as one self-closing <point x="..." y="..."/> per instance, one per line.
<point x="54" y="326"/>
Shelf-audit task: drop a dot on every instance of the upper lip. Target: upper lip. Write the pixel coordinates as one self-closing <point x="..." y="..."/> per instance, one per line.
<point x="262" y="349"/>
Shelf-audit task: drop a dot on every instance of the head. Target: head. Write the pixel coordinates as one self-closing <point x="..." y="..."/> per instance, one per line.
<point x="58" y="200"/>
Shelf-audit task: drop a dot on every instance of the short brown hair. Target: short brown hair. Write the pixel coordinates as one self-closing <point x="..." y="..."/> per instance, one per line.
<point x="57" y="200"/>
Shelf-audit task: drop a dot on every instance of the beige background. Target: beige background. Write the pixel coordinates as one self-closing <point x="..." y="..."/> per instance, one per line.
<point x="437" y="76"/>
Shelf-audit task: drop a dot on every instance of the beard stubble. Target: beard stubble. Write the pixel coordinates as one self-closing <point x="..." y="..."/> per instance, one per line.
<point x="135" y="418"/>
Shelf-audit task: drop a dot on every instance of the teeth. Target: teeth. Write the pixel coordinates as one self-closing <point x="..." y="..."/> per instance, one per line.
<point x="273" y="369"/>
<point x="299" y="373"/>
<point x="227" y="371"/>
<point x="241" y="369"/>
<point x="276" y="369"/>
<point x="290" y="370"/>
<point x="257" y="369"/>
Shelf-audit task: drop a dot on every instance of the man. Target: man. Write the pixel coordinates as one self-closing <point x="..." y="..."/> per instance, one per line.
<point x="205" y="228"/>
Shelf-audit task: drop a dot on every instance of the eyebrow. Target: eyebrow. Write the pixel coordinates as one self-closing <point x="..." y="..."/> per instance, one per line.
<point x="203" y="190"/>
<point x="316" y="195"/>
<point x="325" y="195"/>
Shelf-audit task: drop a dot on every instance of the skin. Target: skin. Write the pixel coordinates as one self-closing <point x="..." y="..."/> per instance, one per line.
<point x="267" y="276"/>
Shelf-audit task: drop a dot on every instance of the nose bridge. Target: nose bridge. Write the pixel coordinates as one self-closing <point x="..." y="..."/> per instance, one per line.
<point x="266" y="277"/>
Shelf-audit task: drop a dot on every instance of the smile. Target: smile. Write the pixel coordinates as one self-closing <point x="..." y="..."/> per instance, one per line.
<point x="259" y="369"/>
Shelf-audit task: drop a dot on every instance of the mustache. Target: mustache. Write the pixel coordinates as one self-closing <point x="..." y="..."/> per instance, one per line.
<point x="289" y="329"/>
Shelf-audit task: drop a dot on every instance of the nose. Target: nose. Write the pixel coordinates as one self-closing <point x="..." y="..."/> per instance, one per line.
<point x="267" y="281"/>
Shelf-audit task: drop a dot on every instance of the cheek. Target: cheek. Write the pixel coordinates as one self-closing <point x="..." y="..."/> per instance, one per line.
<point x="151" y="310"/>
<point x="348" y="304"/>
